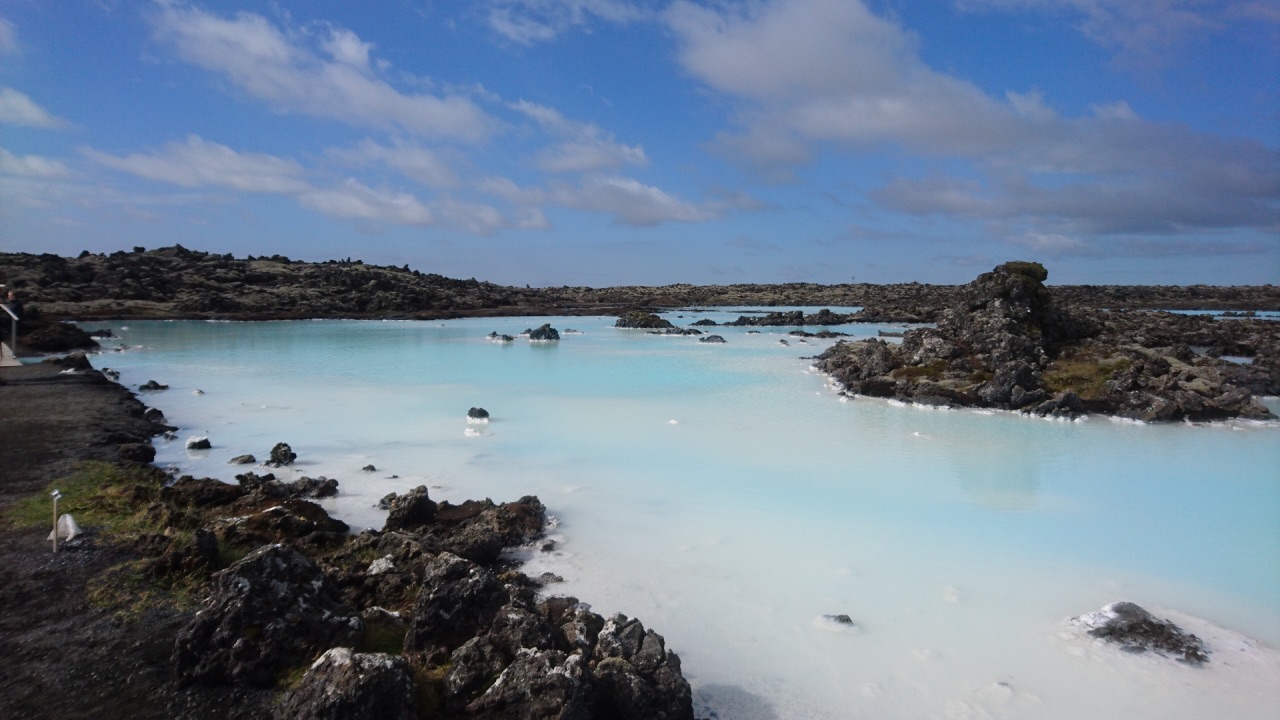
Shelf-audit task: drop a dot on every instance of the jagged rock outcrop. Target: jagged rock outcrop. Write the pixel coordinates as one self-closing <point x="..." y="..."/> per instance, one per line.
<point x="544" y="333"/>
<point x="643" y="320"/>
<point x="281" y="455"/>
<point x="344" y="684"/>
<point x="268" y="612"/>
<point x="413" y="509"/>
<point x="268" y="487"/>
<point x="1007" y="344"/>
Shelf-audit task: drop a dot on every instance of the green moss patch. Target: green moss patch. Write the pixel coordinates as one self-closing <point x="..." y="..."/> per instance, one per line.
<point x="110" y="499"/>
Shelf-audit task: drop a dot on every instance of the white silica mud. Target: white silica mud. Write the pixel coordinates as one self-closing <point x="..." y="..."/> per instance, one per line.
<point x="730" y="498"/>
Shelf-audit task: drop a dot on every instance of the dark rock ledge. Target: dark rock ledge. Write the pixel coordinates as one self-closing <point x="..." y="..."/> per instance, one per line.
<point x="421" y="619"/>
<point x="1007" y="344"/>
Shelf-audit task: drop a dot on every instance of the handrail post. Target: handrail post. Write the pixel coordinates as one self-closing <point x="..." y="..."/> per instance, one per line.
<point x="13" y="330"/>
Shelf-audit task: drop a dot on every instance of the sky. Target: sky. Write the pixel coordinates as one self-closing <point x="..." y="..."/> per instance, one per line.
<point x="617" y="142"/>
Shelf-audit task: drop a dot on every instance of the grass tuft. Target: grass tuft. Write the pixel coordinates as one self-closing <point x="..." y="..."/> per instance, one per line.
<point x="1086" y="378"/>
<point x="111" y="499"/>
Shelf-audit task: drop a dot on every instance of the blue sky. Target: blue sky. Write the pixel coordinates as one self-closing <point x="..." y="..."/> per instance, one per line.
<point x="607" y="142"/>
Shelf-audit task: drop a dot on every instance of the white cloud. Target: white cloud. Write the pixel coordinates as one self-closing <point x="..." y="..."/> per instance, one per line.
<point x="8" y="38"/>
<point x="355" y="201"/>
<point x="818" y="73"/>
<point x="1143" y="32"/>
<point x="277" y="65"/>
<point x="583" y="148"/>
<point x="527" y="22"/>
<point x="630" y="201"/>
<point x="198" y="162"/>
<point x="18" y="109"/>
<point x="32" y="166"/>
<point x="414" y="161"/>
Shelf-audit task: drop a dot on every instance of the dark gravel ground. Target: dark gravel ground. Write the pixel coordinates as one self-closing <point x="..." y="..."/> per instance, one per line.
<point x="60" y="657"/>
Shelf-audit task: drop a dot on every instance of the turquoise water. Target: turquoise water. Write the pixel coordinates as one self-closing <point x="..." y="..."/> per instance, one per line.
<point x="729" y="497"/>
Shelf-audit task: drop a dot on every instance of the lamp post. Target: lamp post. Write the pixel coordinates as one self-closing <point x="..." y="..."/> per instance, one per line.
<point x="55" y="495"/>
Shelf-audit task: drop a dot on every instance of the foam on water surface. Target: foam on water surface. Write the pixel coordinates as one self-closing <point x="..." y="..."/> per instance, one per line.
<point x="723" y="495"/>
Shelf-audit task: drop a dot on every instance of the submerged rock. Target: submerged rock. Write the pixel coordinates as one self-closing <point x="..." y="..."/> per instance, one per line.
<point x="544" y="333"/>
<point x="1134" y="629"/>
<point x="282" y="455"/>
<point x="643" y="320"/>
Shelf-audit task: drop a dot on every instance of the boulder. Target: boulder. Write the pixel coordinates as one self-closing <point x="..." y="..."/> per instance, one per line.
<point x="477" y="413"/>
<point x="291" y="519"/>
<point x="1134" y="629"/>
<point x="711" y="339"/>
<point x="198" y="443"/>
<point x="344" y="684"/>
<point x="188" y="492"/>
<point x="410" y="510"/>
<point x="636" y="677"/>
<point x="268" y="612"/>
<point x="544" y="333"/>
<point x="457" y="601"/>
<point x="282" y="455"/>
<point x="541" y="683"/>
<point x="243" y="460"/>
<point x="152" y="386"/>
<point x="268" y="487"/>
<point x="643" y="320"/>
<point x="137" y="452"/>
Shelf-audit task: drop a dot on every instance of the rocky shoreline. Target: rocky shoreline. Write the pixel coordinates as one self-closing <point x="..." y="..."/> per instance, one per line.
<point x="249" y="600"/>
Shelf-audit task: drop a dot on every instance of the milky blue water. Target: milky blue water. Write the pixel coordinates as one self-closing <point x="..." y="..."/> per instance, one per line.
<point x="729" y="497"/>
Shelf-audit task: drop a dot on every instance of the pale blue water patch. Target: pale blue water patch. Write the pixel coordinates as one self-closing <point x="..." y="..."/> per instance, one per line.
<point x="1257" y="314"/>
<point x="729" y="497"/>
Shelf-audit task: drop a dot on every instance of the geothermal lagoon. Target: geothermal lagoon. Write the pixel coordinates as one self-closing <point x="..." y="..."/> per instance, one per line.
<point x="729" y="497"/>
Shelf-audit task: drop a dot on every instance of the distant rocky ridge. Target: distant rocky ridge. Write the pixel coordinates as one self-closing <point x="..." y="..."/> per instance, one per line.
<point x="1009" y="343"/>
<point x="175" y="282"/>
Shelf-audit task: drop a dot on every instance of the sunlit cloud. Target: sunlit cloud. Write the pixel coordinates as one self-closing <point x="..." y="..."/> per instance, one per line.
<point x="418" y="163"/>
<point x="31" y="166"/>
<point x="18" y="109"/>
<point x="1142" y="33"/>
<point x="329" y="76"/>
<point x="528" y="22"/>
<point x="582" y="147"/>
<point x="197" y="162"/>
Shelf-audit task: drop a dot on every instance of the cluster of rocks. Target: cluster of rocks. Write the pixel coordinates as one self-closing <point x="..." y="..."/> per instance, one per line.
<point x="1007" y="344"/>
<point x="424" y="618"/>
